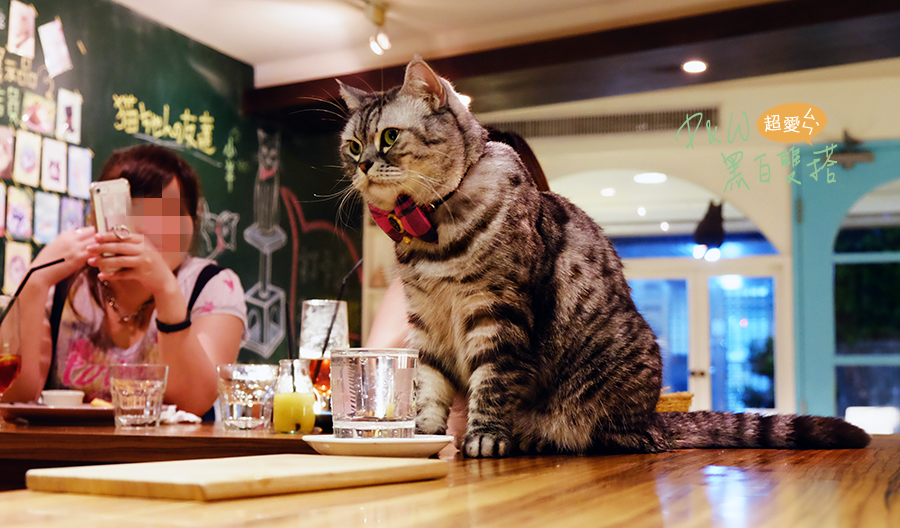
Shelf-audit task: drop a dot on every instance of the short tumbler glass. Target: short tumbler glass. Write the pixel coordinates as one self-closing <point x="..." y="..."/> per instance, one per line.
<point x="245" y="395"/>
<point x="372" y="392"/>
<point x="137" y="393"/>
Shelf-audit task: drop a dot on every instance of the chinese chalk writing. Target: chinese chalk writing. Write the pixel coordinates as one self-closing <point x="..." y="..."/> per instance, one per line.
<point x="192" y="130"/>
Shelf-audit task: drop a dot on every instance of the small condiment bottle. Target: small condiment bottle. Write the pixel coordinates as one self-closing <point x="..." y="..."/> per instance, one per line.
<point x="294" y="398"/>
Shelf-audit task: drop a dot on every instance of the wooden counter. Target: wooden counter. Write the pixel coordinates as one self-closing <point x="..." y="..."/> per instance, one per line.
<point x="728" y="488"/>
<point x="23" y="447"/>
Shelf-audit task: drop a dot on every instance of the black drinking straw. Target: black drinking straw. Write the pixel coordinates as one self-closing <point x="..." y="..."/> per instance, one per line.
<point x="337" y="307"/>
<point x="22" y="285"/>
<point x="290" y="337"/>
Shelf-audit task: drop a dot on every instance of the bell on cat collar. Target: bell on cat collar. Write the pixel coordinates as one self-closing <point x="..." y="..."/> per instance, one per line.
<point x="396" y="225"/>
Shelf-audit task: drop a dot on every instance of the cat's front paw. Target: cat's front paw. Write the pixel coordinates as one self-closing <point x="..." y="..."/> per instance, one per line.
<point x="430" y="427"/>
<point x="486" y="446"/>
<point x="533" y="447"/>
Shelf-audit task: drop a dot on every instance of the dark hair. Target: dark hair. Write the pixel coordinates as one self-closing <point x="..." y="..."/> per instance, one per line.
<point x="150" y="168"/>
<point x="524" y="151"/>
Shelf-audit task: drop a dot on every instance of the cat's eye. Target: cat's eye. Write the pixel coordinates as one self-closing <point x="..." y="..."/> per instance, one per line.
<point x="389" y="137"/>
<point x="354" y="147"/>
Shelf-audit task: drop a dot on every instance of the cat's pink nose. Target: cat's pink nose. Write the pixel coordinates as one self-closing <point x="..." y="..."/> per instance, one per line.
<point x="365" y="166"/>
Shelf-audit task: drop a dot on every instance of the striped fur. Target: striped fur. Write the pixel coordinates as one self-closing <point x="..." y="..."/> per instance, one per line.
<point x="522" y="304"/>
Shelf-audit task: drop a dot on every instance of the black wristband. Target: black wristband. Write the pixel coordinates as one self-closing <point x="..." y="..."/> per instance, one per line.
<point x="177" y="327"/>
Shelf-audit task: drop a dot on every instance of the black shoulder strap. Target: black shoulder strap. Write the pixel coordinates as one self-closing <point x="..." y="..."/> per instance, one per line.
<point x="56" y="310"/>
<point x="207" y="273"/>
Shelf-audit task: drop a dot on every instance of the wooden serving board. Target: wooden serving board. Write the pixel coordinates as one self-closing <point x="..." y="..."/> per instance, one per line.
<point x="228" y="478"/>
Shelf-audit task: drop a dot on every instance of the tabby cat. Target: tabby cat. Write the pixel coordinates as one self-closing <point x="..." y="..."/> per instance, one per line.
<point x="517" y="299"/>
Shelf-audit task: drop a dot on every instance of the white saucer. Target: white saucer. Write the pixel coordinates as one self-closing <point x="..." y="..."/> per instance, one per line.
<point x="418" y="446"/>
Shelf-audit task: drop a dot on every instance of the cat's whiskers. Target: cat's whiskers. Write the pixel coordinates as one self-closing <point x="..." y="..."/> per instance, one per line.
<point x="331" y="101"/>
<point x="431" y="187"/>
<point x="349" y="199"/>
<point x="322" y="110"/>
<point x="338" y="111"/>
<point x="429" y="183"/>
<point x="385" y="179"/>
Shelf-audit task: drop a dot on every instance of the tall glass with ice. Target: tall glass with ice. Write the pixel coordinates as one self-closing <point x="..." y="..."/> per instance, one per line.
<point x="316" y="317"/>
<point x="372" y="392"/>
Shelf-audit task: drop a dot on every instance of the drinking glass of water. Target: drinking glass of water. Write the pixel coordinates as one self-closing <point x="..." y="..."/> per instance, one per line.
<point x="373" y="392"/>
<point x="137" y="393"/>
<point x="245" y="395"/>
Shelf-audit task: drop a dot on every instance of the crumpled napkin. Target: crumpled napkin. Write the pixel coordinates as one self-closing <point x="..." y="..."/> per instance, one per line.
<point x="170" y="415"/>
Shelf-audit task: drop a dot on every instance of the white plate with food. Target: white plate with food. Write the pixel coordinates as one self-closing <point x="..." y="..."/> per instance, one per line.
<point x="416" y="447"/>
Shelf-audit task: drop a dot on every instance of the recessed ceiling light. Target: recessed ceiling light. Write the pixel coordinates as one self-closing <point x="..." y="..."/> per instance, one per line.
<point x="694" y="66"/>
<point x="712" y="255"/>
<point x="641" y="211"/>
<point x="609" y="191"/>
<point x="466" y="100"/>
<point x="650" y="177"/>
<point x="664" y="226"/>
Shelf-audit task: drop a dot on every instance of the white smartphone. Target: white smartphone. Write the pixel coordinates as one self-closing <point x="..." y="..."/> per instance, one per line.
<point x="111" y="204"/>
<point x="111" y="208"/>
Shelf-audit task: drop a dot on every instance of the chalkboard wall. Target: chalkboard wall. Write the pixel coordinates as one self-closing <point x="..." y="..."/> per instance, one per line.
<point x="137" y="82"/>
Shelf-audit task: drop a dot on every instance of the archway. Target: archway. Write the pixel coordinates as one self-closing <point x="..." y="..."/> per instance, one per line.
<point x="820" y="258"/>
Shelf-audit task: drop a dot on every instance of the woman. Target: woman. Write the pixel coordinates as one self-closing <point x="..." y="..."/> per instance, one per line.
<point x="139" y="312"/>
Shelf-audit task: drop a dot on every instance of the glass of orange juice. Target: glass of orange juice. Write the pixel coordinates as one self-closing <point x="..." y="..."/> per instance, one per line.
<point x="295" y="398"/>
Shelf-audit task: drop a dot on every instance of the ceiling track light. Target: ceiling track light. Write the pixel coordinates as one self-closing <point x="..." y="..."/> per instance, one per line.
<point x="694" y="66"/>
<point x="379" y="41"/>
<point x="376" y="49"/>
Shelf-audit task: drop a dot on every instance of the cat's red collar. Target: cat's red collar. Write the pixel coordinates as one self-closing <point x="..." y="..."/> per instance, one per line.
<point x="408" y="220"/>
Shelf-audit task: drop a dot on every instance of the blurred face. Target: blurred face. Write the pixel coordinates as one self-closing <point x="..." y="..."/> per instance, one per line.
<point x="165" y="223"/>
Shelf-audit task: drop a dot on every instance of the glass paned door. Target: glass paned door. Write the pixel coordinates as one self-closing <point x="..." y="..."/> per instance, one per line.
<point x="866" y="309"/>
<point x="663" y="304"/>
<point x="742" y="337"/>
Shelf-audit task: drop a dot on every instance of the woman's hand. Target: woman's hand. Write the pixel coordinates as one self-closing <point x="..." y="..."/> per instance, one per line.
<point x="133" y="258"/>
<point x="69" y="245"/>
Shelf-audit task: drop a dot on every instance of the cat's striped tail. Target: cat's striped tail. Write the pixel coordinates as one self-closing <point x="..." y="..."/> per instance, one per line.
<point x="710" y="429"/>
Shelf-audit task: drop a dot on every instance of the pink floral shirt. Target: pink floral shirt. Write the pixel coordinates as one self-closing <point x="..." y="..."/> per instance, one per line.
<point x="84" y="352"/>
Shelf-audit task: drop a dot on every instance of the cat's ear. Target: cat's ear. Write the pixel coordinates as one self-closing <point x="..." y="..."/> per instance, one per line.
<point x="422" y="82"/>
<point x="352" y="96"/>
